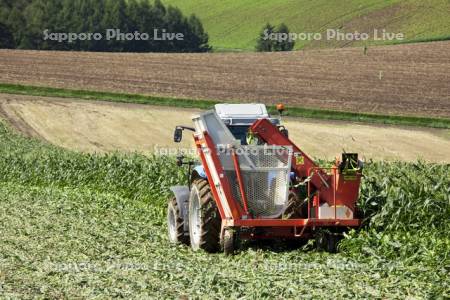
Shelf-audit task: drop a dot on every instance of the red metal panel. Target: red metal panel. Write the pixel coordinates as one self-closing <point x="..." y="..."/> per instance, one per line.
<point x="272" y="136"/>
<point x="240" y="181"/>
<point x="296" y="222"/>
<point x="236" y="209"/>
<point x="198" y="143"/>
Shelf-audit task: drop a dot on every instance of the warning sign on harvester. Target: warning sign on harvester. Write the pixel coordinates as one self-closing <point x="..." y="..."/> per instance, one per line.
<point x="299" y="159"/>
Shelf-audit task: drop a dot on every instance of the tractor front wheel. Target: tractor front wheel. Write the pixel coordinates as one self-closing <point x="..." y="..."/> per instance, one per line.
<point x="175" y="224"/>
<point x="204" y="218"/>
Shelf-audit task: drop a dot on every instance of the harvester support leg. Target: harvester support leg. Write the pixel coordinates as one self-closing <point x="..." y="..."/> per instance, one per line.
<point x="328" y="240"/>
<point x="230" y="240"/>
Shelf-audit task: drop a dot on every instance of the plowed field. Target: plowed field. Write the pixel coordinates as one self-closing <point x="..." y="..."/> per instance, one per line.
<point x="404" y="79"/>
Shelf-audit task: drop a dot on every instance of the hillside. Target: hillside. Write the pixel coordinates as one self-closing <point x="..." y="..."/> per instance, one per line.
<point x="235" y="24"/>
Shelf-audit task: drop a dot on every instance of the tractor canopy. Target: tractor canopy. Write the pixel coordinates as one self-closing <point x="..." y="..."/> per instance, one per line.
<point x="239" y="117"/>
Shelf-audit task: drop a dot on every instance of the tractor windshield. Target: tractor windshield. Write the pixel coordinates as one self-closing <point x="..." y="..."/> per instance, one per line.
<point x="240" y="133"/>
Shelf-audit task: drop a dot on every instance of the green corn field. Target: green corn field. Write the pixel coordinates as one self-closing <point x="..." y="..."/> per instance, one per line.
<point x="76" y="225"/>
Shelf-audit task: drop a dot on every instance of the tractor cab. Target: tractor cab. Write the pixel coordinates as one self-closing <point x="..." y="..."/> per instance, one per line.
<point x="239" y="117"/>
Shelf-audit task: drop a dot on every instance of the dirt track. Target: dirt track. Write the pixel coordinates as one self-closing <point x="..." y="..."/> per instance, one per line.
<point x="405" y="79"/>
<point x="103" y="126"/>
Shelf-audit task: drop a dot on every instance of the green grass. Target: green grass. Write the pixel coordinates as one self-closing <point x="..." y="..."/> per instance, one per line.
<point x="208" y="104"/>
<point x="84" y="225"/>
<point x="425" y="40"/>
<point x="235" y="24"/>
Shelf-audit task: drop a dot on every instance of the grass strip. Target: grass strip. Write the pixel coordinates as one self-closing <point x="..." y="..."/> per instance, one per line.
<point x="208" y="104"/>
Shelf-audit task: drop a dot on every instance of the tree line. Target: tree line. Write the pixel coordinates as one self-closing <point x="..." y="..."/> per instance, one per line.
<point x="23" y="23"/>
<point x="274" y="38"/>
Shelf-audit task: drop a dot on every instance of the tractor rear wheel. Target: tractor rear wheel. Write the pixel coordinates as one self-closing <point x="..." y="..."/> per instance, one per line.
<point x="204" y="218"/>
<point x="175" y="223"/>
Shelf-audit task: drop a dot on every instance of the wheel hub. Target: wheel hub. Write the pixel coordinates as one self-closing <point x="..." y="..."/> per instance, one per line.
<point x="195" y="218"/>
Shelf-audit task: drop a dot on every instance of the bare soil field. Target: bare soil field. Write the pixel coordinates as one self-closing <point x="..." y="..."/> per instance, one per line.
<point x="101" y="126"/>
<point x="411" y="79"/>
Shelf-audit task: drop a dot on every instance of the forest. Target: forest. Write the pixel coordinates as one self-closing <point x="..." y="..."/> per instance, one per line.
<point x="29" y="24"/>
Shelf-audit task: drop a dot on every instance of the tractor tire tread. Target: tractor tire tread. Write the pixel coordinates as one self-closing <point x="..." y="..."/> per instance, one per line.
<point x="212" y="222"/>
<point x="181" y="237"/>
